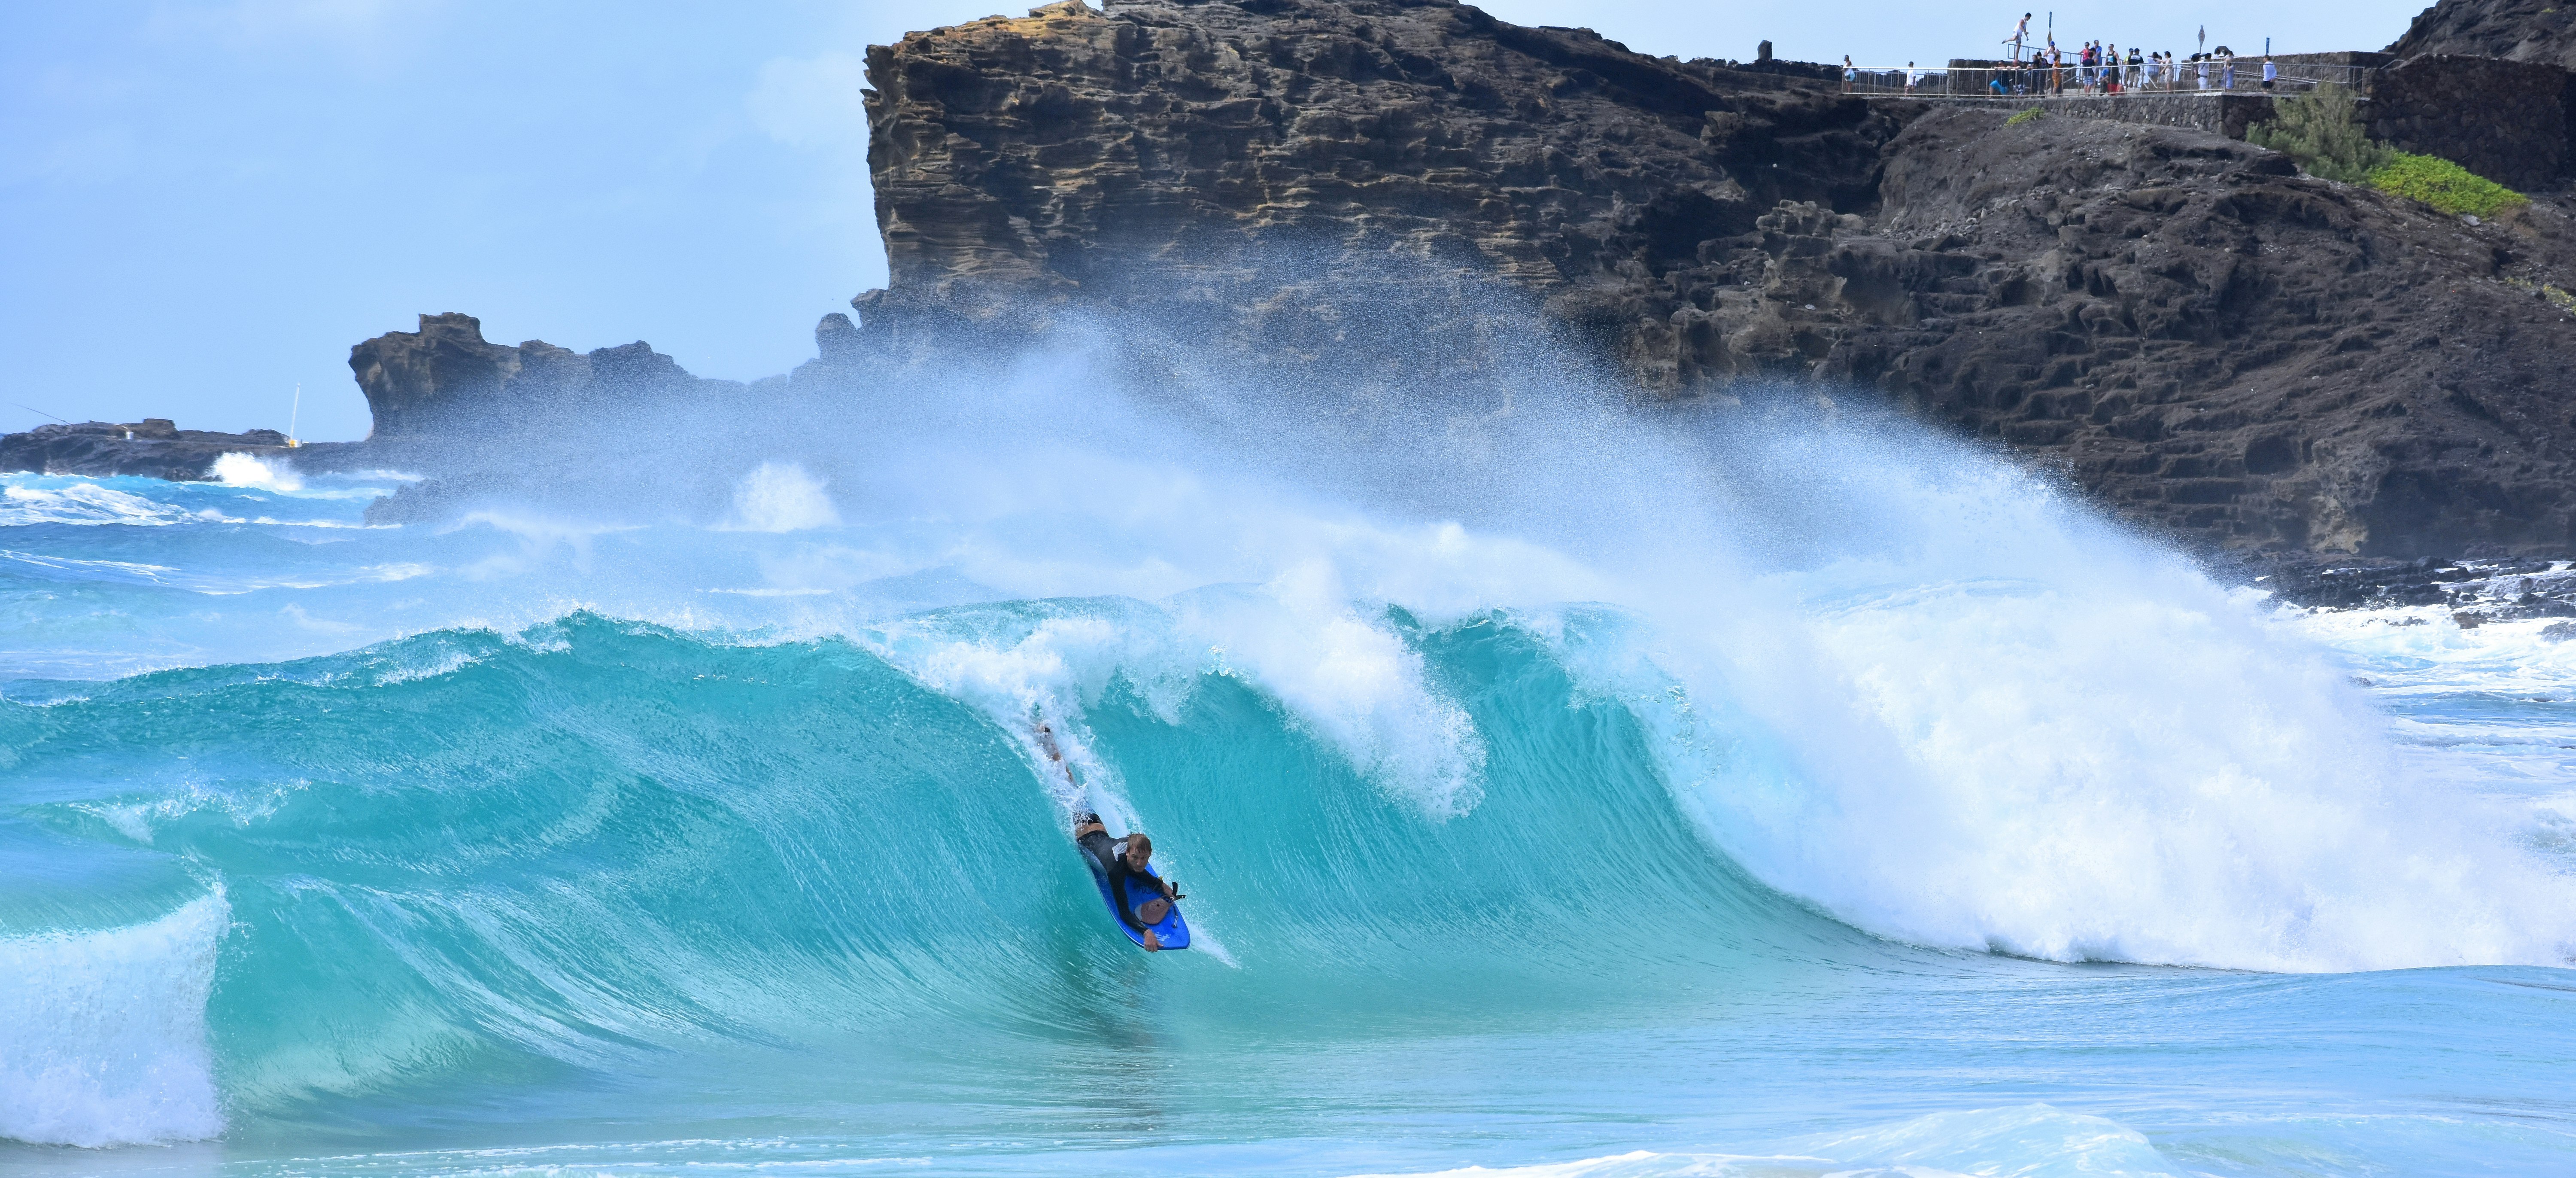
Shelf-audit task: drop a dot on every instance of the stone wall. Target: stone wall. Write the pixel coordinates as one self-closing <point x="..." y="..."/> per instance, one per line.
<point x="2504" y="120"/>
<point x="2226" y="114"/>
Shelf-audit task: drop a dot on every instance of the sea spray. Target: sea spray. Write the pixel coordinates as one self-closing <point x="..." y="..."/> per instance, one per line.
<point x="781" y="497"/>
<point x="247" y="470"/>
<point x="103" y="1033"/>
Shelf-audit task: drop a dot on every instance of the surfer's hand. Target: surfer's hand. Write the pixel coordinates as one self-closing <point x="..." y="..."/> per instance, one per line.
<point x="1153" y="944"/>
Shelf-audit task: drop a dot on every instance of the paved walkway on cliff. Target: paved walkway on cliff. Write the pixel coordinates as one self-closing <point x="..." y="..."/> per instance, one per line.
<point x="1973" y="81"/>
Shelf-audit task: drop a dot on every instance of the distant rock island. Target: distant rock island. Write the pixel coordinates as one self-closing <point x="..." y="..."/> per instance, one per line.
<point x="1378" y="193"/>
<point x="154" y="447"/>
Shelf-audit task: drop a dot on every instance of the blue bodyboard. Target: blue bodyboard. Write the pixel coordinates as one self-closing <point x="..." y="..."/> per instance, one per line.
<point x="1173" y="932"/>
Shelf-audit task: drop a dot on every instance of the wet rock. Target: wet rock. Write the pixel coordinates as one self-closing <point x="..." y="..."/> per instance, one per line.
<point x="151" y="448"/>
<point x="445" y="382"/>
<point x="2206" y="341"/>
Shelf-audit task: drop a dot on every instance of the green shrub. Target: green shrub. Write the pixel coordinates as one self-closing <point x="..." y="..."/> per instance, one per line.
<point x="2322" y="132"/>
<point x="2026" y="115"/>
<point x="2444" y="185"/>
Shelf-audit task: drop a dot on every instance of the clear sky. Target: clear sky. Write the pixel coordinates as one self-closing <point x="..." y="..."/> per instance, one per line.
<point x="205" y="202"/>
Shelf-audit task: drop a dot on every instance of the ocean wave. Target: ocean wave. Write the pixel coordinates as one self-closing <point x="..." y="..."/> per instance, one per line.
<point x="88" y="503"/>
<point x="599" y="836"/>
<point x="103" y="1035"/>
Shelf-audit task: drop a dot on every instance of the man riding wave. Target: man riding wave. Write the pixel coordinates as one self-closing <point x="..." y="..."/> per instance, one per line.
<point x="1119" y="861"/>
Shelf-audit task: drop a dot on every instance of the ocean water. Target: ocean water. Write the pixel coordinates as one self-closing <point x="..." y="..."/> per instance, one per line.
<point x="1569" y="796"/>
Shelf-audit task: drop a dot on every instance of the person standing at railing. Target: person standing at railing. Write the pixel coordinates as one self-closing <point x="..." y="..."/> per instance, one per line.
<point x="2137" y="65"/>
<point x="1851" y="77"/>
<point x="2271" y="72"/>
<point x="2227" y="71"/>
<point x="2204" y="73"/>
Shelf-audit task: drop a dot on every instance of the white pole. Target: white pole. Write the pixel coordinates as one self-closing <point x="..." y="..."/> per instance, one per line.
<point x="292" y="414"/>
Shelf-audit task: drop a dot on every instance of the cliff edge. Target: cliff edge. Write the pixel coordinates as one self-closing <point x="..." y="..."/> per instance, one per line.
<point x="2515" y="30"/>
<point x="2198" y="335"/>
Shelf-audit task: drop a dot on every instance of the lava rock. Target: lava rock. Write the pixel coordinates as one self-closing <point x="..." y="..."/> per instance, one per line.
<point x="151" y="448"/>
<point x="2515" y="30"/>
<point x="2208" y="342"/>
<point x="445" y="382"/>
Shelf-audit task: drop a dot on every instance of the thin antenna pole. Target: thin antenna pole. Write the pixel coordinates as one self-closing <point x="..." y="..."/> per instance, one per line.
<point x="293" y="413"/>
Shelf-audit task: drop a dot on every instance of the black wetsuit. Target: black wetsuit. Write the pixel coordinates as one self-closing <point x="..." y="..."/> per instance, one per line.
<point x="1112" y="858"/>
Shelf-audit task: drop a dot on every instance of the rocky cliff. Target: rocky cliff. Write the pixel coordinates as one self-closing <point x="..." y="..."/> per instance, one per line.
<point x="2194" y="332"/>
<point x="2516" y="30"/>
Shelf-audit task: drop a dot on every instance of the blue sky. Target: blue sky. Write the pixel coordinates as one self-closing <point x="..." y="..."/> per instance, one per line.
<point x="205" y="202"/>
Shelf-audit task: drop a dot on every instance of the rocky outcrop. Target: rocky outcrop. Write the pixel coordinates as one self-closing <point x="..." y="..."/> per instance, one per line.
<point x="2516" y="30"/>
<point x="445" y="379"/>
<point x="151" y="448"/>
<point x="616" y="432"/>
<point x="2198" y="335"/>
<point x="1339" y="190"/>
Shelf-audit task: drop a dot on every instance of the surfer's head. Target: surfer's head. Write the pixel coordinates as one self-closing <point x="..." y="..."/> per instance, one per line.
<point x="1139" y="850"/>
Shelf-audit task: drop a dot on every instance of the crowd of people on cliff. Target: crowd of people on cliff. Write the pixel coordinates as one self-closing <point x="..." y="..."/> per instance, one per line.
<point x="2098" y="67"/>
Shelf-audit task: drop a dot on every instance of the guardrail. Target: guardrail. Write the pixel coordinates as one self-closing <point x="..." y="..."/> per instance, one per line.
<point x="2007" y="80"/>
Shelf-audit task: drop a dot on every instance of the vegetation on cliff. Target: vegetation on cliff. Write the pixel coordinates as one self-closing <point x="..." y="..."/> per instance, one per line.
<point x="2323" y="133"/>
<point x="2444" y="185"/>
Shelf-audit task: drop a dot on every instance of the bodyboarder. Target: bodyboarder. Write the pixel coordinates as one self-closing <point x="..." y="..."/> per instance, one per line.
<point x="1119" y="861"/>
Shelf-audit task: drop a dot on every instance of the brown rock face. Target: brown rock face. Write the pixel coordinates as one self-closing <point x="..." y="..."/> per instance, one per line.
<point x="2517" y="30"/>
<point x="2201" y="337"/>
<point x="445" y="377"/>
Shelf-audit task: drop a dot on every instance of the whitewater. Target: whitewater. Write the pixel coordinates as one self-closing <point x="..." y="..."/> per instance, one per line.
<point x="1561" y="788"/>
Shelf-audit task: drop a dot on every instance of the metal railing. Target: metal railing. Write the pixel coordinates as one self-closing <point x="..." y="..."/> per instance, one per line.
<point x="1958" y="80"/>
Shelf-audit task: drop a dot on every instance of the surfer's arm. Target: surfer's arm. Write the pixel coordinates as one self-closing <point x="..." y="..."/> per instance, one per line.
<point x="1118" y="876"/>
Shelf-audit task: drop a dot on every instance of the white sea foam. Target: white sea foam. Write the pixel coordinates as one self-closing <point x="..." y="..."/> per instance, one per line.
<point x="2030" y="1141"/>
<point x="87" y="502"/>
<point x="782" y="497"/>
<point x="246" y="470"/>
<point x="2019" y="731"/>
<point x="103" y="1034"/>
<point x="1346" y="677"/>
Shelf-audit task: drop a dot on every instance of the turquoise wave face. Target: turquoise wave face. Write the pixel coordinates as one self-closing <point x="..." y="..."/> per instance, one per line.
<point x="469" y="855"/>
